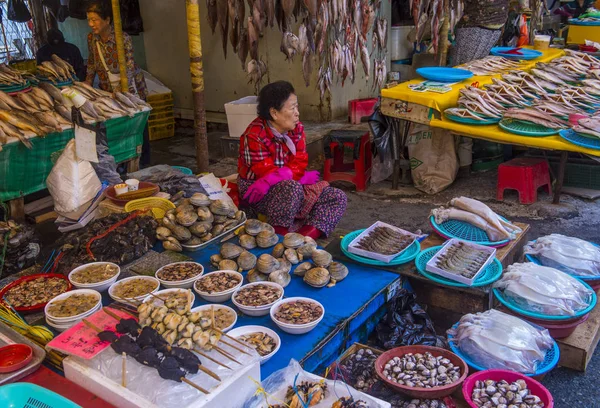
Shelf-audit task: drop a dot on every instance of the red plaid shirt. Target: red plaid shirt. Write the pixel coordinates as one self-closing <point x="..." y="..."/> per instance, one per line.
<point x="261" y="153"/>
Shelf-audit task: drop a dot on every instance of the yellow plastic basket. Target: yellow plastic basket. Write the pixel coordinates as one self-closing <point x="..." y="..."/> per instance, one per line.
<point x="158" y="206"/>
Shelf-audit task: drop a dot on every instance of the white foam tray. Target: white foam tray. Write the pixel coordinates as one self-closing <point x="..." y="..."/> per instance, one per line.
<point x="373" y="255"/>
<point x="430" y="267"/>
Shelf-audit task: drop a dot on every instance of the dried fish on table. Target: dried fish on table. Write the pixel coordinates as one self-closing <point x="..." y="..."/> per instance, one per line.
<point x="385" y="240"/>
<point x="490" y="65"/>
<point x="462" y="259"/>
<point x="536" y="116"/>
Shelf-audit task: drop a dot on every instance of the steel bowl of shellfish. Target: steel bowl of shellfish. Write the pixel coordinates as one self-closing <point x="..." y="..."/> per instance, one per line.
<point x="297" y="315"/>
<point x="218" y="286"/>
<point x="256" y="299"/>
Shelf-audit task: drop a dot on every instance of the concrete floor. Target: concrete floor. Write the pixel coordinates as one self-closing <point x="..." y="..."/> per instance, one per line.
<point x="409" y="208"/>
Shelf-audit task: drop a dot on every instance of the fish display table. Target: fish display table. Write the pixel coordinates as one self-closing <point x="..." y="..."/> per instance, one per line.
<point x="24" y="171"/>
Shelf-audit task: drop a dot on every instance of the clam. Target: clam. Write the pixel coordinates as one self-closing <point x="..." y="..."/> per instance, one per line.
<point x="201" y="228"/>
<point x="255" y="276"/>
<point x="217" y="229"/>
<point x="292" y="256"/>
<point x="215" y="259"/>
<point x="163" y="233"/>
<point x="247" y="241"/>
<point x="278" y="250"/>
<point x="222" y="207"/>
<point x="220" y="219"/>
<point x="306" y="250"/>
<point x="317" y="277"/>
<point x="172" y="244"/>
<point x="169" y="215"/>
<point x="239" y="215"/>
<point x="253" y="227"/>
<point x="321" y="258"/>
<point x="338" y="271"/>
<point x="179" y="232"/>
<point x="293" y="240"/>
<point x="246" y="260"/>
<point x="281" y="278"/>
<point x="302" y="268"/>
<point x="193" y="241"/>
<point x="268" y="228"/>
<point x="267" y="264"/>
<point x="230" y="224"/>
<point x="266" y="239"/>
<point x="204" y="214"/>
<point x="200" y="200"/>
<point x="284" y="264"/>
<point x="228" y="265"/>
<point x="186" y="218"/>
<point x="207" y="237"/>
<point x="183" y="208"/>
<point x="310" y="241"/>
<point x="231" y="251"/>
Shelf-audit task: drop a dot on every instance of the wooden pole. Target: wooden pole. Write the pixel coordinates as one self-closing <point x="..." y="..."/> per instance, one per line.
<point x="120" y="45"/>
<point x="444" y="31"/>
<point x="195" y="47"/>
<point x="5" y="41"/>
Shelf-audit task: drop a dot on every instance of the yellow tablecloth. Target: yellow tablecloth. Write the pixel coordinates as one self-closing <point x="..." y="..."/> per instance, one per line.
<point x="441" y="102"/>
<point x="494" y="133"/>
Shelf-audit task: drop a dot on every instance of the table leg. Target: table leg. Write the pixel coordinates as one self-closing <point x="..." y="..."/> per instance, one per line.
<point x="561" y="177"/>
<point x="396" y="174"/>
<point x="402" y="135"/>
<point x="133" y="165"/>
<point x="17" y="209"/>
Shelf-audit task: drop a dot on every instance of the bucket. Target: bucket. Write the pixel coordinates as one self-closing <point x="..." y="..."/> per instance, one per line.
<point x="541" y="42"/>
<point x="400" y="47"/>
<point x="558" y="329"/>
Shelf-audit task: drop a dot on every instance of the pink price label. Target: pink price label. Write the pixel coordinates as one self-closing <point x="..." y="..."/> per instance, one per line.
<point x="81" y="340"/>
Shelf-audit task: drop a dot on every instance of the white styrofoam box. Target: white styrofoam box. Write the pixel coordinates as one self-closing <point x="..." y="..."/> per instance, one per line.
<point x="233" y="392"/>
<point x="431" y="265"/>
<point x="373" y="255"/>
<point x="240" y="113"/>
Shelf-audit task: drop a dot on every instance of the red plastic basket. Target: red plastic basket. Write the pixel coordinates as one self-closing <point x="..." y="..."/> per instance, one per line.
<point x="558" y="329"/>
<point x="498" y="375"/>
<point x="40" y="306"/>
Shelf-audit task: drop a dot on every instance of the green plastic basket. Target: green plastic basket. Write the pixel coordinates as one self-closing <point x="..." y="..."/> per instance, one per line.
<point x="27" y="395"/>
<point x="406" y="256"/>
<point x="184" y="170"/>
<point x="470" y="121"/>
<point x="522" y="128"/>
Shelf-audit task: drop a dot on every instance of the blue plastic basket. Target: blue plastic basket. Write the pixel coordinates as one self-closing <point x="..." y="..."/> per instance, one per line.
<point x="27" y="395"/>
<point x="515" y="308"/>
<point x="406" y="256"/>
<point x="464" y="231"/>
<point x="526" y="54"/>
<point x="444" y="74"/>
<point x="184" y="170"/>
<point x="550" y="360"/>
<point x="491" y="273"/>
<point x="580" y="140"/>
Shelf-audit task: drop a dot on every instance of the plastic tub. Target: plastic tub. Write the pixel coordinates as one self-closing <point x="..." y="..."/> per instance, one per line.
<point x="256" y="310"/>
<point x="207" y="307"/>
<point x="182" y="284"/>
<point x="557" y="329"/>
<point x="219" y="297"/>
<point x="135" y="300"/>
<point x="240" y="331"/>
<point x="498" y="375"/>
<point x="418" y="392"/>
<point x="64" y="320"/>
<point x="99" y="286"/>
<point x="295" y="328"/>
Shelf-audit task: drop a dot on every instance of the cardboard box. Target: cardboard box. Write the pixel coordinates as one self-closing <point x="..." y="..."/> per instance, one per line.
<point x="240" y="113"/>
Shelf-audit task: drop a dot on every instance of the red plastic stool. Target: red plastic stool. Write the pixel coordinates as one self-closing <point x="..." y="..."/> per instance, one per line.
<point x="359" y="171"/>
<point x="525" y="175"/>
<point x="360" y="108"/>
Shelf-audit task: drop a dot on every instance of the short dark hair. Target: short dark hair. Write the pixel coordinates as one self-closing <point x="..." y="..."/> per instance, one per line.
<point x="55" y="36"/>
<point x="273" y="95"/>
<point x="101" y="7"/>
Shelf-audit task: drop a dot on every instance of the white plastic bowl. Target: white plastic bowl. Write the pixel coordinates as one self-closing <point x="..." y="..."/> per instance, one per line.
<point x="220" y="297"/>
<point x="207" y="307"/>
<point x="136" y="300"/>
<point x="295" y="328"/>
<point x="66" y="295"/>
<point x="182" y="284"/>
<point x="60" y="327"/>
<point x="74" y="321"/>
<point x="256" y="310"/>
<point x="164" y="294"/>
<point x="99" y="286"/>
<point x="240" y="331"/>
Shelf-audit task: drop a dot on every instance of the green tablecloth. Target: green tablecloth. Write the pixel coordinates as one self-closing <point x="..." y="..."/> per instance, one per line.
<point x="23" y="171"/>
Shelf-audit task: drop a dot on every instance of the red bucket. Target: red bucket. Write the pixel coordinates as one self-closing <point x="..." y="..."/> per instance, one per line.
<point x="558" y="329"/>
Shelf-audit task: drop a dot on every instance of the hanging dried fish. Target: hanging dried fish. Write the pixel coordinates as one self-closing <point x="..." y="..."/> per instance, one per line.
<point x="324" y="22"/>
<point x="334" y="10"/>
<point x="223" y="19"/>
<point x="287" y="7"/>
<point x="252" y="39"/>
<point x="312" y="7"/>
<point x="302" y="39"/>
<point x="357" y="13"/>
<point x="324" y="82"/>
<point x="256" y="70"/>
<point x="211" y="14"/>
<point x="368" y="18"/>
<point x="365" y="58"/>
<point x="270" y="12"/>
<point x="242" y="51"/>
<point x="306" y="67"/>
<point x="234" y="32"/>
<point x="259" y="17"/>
<point x="289" y="45"/>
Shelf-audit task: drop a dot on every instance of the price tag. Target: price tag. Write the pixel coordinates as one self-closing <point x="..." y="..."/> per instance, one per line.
<point x="85" y="144"/>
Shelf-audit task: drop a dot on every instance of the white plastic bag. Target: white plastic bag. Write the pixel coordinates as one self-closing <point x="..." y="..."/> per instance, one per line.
<point x="571" y="255"/>
<point x="276" y="387"/>
<point x="214" y="189"/>
<point x="72" y="182"/>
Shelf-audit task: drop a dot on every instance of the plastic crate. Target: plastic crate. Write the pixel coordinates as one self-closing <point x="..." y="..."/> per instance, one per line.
<point x="162" y="130"/>
<point x="160" y="98"/>
<point x="165" y="112"/>
<point x="579" y="175"/>
<point x="26" y="65"/>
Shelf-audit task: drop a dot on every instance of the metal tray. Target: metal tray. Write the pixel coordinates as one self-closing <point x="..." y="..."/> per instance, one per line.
<point x="9" y="336"/>
<point x="194" y="248"/>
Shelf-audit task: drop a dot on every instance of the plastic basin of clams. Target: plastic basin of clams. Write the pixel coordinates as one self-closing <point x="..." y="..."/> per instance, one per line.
<point x="219" y="297"/>
<point x="296" y="328"/>
<point x="420" y="392"/>
<point x="261" y="310"/>
<point x="179" y="284"/>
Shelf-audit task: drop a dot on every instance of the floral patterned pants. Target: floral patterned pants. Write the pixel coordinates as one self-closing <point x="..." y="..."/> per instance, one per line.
<point x="284" y="201"/>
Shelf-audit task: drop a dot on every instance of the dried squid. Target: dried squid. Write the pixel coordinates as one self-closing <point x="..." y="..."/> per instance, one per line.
<point x="568" y="254"/>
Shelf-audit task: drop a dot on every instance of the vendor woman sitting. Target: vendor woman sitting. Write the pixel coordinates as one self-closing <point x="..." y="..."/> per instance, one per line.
<point x="272" y="169"/>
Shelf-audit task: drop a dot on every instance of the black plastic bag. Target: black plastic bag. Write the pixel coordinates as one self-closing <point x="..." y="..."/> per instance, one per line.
<point x="18" y="11"/>
<point x="406" y="324"/>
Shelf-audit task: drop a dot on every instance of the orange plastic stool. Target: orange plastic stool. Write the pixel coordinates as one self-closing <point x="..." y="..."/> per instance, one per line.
<point x="359" y="171"/>
<point x="525" y="175"/>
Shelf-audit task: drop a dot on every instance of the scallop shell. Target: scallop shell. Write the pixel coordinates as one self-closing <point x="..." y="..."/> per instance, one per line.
<point x="215" y="259"/>
<point x="217" y="229"/>
<point x="267" y="264"/>
<point x="247" y="241"/>
<point x="231" y="251"/>
<point x="172" y="244"/>
<point x="284" y="264"/>
<point x="293" y="240"/>
<point x="303" y="268"/>
<point x="255" y="276"/>
<point x="246" y="260"/>
<point x="266" y="239"/>
<point x="163" y="233"/>
<point x="201" y="228"/>
<point x="200" y="200"/>
<point x="321" y="258"/>
<point x="186" y="218"/>
<point x="228" y="265"/>
<point x="292" y="256"/>
<point x="281" y="278"/>
<point x="204" y="214"/>
<point x="306" y="250"/>
<point x="278" y="250"/>
<point x="222" y="207"/>
<point x="338" y="271"/>
<point x="183" y="208"/>
<point x="253" y="227"/>
<point x="317" y="277"/>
